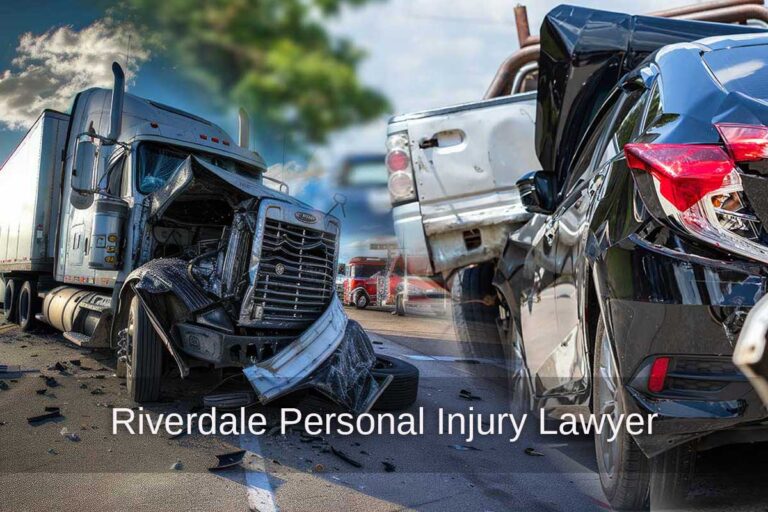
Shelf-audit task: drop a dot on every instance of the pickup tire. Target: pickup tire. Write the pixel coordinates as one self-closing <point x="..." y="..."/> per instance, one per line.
<point x="475" y="310"/>
<point x="145" y="360"/>
<point x="404" y="388"/>
<point x="11" y="300"/>
<point x="28" y="306"/>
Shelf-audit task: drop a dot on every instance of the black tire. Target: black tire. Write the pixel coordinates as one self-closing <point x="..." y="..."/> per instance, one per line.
<point x="145" y="361"/>
<point x="475" y="310"/>
<point x="11" y="300"/>
<point x="400" y="305"/>
<point x="361" y="300"/>
<point x="28" y="306"/>
<point x="671" y="476"/>
<point x="626" y="478"/>
<point x="404" y="388"/>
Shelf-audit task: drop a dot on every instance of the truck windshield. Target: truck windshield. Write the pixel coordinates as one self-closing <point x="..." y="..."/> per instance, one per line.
<point x="364" y="270"/>
<point x="156" y="162"/>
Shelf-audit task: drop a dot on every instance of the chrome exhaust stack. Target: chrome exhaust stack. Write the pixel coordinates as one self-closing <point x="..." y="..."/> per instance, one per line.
<point x="116" y="108"/>
<point x="244" y="128"/>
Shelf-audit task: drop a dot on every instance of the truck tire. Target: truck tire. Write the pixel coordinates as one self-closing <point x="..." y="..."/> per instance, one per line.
<point x="404" y="388"/>
<point x="145" y="359"/>
<point x="28" y="306"/>
<point x="11" y="300"/>
<point x="361" y="300"/>
<point x="474" y="305"/>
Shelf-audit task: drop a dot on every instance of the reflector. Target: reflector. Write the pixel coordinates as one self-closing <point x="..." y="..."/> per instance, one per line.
<point x="658" y="374"/>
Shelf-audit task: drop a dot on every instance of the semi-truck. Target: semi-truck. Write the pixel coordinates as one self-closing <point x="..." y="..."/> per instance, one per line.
<point x="131" y="225"/>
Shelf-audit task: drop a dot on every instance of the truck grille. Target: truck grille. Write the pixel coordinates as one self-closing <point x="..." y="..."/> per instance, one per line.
<point x="295" y="279"/>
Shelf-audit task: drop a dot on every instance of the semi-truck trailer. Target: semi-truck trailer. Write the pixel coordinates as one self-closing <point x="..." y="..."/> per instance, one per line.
<point x="131" y="225"/>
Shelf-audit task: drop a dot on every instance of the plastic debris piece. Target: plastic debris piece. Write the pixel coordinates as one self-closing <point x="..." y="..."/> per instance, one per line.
<point x="97" y="391"/>
<point x="50" y="381"/>
<point x="69" y="435"/>
<point x="228" y="460"/>
<point x="75" y="362"/>
<point x="319" y="468"/>
<point x="229" y="400"/>
<point x="346" y="458"/>
<point x="41" y="391"/>
<point x="32" y="420"/>
<point x="389" y="467"/>
<point x="177" y="466"/>
<point x="464" y="448"/>
<point x="52" y="408"/>
<point x="468" y="395"/>
<point x="52" y="451"/>
<point x="533" y="453"/>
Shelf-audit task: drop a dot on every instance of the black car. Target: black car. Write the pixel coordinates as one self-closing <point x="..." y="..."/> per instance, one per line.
<point x="627" y="292"/>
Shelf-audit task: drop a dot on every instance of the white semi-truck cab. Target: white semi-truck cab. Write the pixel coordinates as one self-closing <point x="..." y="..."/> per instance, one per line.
<point x="132" y="225"/>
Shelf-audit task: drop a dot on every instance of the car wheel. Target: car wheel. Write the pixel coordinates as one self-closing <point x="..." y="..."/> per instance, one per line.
<point x="475" y="310"/>
<point x="622" y="466"/>
<point x="671" y="476"/>
<point x="11" y="299"/>
<point x="144" y="355"/>
<point x="404" y="388"/>
<point x="361" y="300"/>
<point x="28" y="306"/>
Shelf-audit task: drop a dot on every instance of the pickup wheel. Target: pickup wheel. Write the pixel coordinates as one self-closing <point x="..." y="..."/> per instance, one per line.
<point x="144" y="362"/>
<point x="361" y="300"/>
<point x="404" y="388"/>
<point x="28" y="306"/>
<point x="475" y="310"/>
<point x="11" y="300"/>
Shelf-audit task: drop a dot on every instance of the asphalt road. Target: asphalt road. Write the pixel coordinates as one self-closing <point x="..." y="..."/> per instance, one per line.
<point x="41" y="469"/>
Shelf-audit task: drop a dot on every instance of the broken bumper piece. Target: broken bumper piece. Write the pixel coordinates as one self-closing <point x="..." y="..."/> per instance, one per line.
<point x="334" y="356"/>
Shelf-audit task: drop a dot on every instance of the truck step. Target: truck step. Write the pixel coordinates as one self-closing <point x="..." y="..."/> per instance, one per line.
<point x="83" y="340"/>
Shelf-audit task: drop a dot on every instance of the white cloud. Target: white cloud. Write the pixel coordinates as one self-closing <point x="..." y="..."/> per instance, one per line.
<point x="51" y="68"/>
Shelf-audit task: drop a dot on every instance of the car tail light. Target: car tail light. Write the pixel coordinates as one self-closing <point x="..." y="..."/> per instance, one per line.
<point x="398" y="160"/>
<point x="700" y="187"/>
<point x="658" y="375"/>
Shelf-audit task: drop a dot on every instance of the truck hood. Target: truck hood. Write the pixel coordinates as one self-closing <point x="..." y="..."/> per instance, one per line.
<point x="584" y="54"/>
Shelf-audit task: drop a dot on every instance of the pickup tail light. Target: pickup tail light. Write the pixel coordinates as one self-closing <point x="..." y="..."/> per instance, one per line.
<point x="699" y="186"/>
<point x="398" y="160"/>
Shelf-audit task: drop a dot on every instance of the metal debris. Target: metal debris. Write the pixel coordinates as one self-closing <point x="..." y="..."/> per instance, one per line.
<point x="55" y="413"/>
<point x="231" y="400"/>
<point x="533" y="453"/>
<point x="228" y="460"/>
<point x="468" y="395"/>
<point x="346" y="458"/>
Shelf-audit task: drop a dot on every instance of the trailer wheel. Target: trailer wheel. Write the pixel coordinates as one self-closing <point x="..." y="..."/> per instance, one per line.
<point x="400" y="305"/>
<point x="28" y="306"/>
<point x="361" y="300"/>
<point x="474" y="305"/>
<point x="11" y="300"/>
<point x="404" y="388"/>
<point x="145" y="355"/>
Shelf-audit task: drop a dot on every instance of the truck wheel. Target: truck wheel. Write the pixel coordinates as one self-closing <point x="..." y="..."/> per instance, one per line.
<point x="11" y="300"/>
<point x="404" y="388"/>
<point x="623" y="468"/>
<point x="28" y="306"/>
<point x="475" y="309"/>
<point x="145" y="356"/>
<point x="361" y="300"/>
<point x="400" y="305"/>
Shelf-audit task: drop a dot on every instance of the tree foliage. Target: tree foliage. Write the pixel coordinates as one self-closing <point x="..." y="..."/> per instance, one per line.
<point x="274" y="57"/>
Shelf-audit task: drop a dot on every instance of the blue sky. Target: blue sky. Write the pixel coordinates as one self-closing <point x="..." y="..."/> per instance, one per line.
<point x="421" y="54"/>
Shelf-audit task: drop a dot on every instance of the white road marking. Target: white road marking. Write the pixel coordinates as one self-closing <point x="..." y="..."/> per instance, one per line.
<point x="261" y="498"/>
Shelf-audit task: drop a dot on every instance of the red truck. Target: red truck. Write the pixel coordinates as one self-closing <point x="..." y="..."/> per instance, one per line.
<point x="371" y="281"/>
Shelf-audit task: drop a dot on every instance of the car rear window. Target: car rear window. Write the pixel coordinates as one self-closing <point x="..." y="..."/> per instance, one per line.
<point x="743" y="69"/>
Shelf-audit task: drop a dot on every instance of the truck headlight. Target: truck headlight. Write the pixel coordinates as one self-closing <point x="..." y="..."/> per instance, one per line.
<point x="401" y="184"/>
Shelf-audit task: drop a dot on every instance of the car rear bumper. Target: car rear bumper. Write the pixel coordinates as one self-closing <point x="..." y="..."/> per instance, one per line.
<point x="691" y="310"/>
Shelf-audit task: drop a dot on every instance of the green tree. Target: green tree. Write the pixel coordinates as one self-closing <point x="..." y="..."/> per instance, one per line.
<point x="274" y="57"/>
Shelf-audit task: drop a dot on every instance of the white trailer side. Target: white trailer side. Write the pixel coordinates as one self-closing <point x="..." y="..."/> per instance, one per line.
<point x="30" y="182"/>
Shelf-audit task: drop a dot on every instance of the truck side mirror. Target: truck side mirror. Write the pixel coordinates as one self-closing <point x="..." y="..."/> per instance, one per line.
<point x="342" y="269"/>
<point x="537" y="191"/>
<point x="81" y="196"/>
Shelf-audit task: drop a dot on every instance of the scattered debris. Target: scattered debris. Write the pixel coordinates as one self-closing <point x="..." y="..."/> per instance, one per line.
<point x="83" y="385"/>
<point x="4" y="385"/>
<point x="228" y="460"/>
<point x="74" y="362"/>
<point x="533" y="453"/>
<point x="50" y="381"/>
<point x="377" y="342"/>
<point x="97" y="391"/>
<point x="468" y="395"/>
<point x="177" y="466"/>
<point x="319" y="468"/>
<point x="346" y="458"/>
<point x="464" y="448"/>
<point x="41" y="391"/>
<point x="389" y="467"/>
<point x="69" y="435"/>
<point x="229" y="400"/>
<point x="52" y="408"/>
<point x="52" y="451"/>
<point x="51" y="414"/>
<point x="363" y="452"/>
<point x="306" y="438"/>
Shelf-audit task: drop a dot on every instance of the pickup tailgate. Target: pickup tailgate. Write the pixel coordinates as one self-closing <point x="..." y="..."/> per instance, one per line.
<point x="466" y="160"/>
